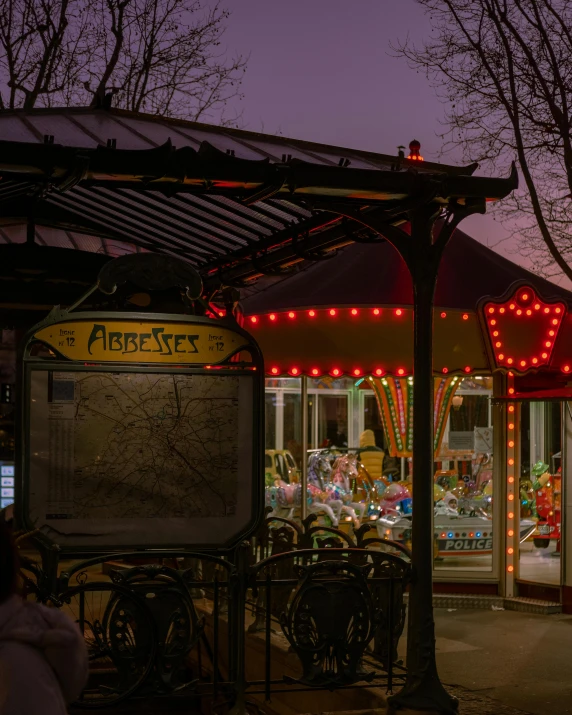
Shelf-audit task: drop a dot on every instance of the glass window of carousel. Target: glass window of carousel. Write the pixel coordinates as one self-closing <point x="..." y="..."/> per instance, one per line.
<point x="541" y="491"/>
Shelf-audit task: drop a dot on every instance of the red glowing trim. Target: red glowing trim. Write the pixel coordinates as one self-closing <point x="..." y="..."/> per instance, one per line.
<point x="554" y="321"/>
<point x="315" y="371"/>
<point x="524" y="296"/>
<point x="510" y="374"/>
<point x="294" y="370"/>
<point x="548" y="344"/>
<point x="467" y="369"/>
<point x="529" y="312"/>
<point x="512" y="306"/>
<point x="511" y="408"/>
<point x="511" y="390"/>
<point x="312" y="313"/>
<point x="551" y="333"/>
<point x="523" y="363"/>
<point x="544" y="356"/>
<point x="254" y="319"/>
<point x="557" y="310"/>
<point x="465" y="316"/>
<point x="491" y="310"/>
<point x="547" y="310"/>
<point x="272" y="316"/>
<point x="221" y="313"/>
<point x="400" y="371"/>
<point x="274" y="370"/>
<point x="501" y="356"/>
<point x="537" y="306"/>
<point x="354" y="311"/>
<point x="376" y="311"/>
<point x="208" y="367"/>
<point x="443" y="315"/>
<point x="566" y="368"/>
<point x="398" y="311"/>
<point x="519" y="312"/>
<point x="333" y="311"/>
<point x="534" y="360"/>
<point x="501" y="310"/>
<point x="495" y="334"/>
<point x="445" y="370"/>
<point x="336" y="372"/>
<point x="291" y="314"/>
<point x="379" y="371"/>
<point x="498" y="344"/>
<point x="510" y="361"/>
<point x="493" y="322"/>
<point x="357" y="372"/>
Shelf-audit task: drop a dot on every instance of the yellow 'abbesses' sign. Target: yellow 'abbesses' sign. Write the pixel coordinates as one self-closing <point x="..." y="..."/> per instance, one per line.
<point x="141" y="342"/>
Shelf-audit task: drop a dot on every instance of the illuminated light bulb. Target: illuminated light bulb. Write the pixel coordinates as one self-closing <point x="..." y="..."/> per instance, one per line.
<point x="498" y="344"/>
<point x="398" y="311"/>
<point x="537" y="306"/>
<point x="510" y="551"/>
<point x="312" y="313"/>
<point x="274" y="371"/>
<point x="493" y="322"/>
<point x="510" y="361"/>
<point x="400" y="371"/>
<point x="332" y="311"/>
<point x="496" y="334"/>
<point x="510" y="373"/>
<point x="544" y="356"/>
<point x="379" y="371"/>
<point x="510" y="569"/>
<point x="519" y="312"/>
<point x="511" y="515"/>
<point x="272" y="316"/>
<point x="294" y="370"/>
<point x="491" y="310"/>
<point x="512" y="306"/>
<point x="511" y="408"/>
<point x="254" y="319"/>
<point x="551" y="333"/>
<point x="443" y="315"/>
<point x="502" y="310"/>
<point x="221" y="313"/>
<point x="547" y="310"/>
<point x="291" y="314"/>
<point x="534" y="360"/>
<point x="467" y="369"/>
<point x="501" y="356"/>
<point x="511" y="480"/>
<point x="511" y="444"/>
<point x="209" y="367"/>
<point x="554" y="321"/>
<point x="335" y="371"/>
<point x="357" y="372"/>
<point x="510" y="532"/>
<point x="465" y="316"/>
<point x="523" y="363"/>
<point x="511" y="462"/>
<point x="445" y="370"/>
<point x="315" y="371"/>
<point x="511" y="390"/>
<point x="548" y="343"/>
<point x="529" y="312"/>
<point x="511" y="497"/>
<point x="557" y="310"/>
<point x="566" y="368"/>
<point x="354" y="311"/>
<point x="376" y="311"/>
<point x="511" y="425"/>
<point x="524" y="296"/>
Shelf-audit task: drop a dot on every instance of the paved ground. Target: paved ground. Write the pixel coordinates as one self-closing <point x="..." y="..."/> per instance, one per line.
<point x="521" y="660"/>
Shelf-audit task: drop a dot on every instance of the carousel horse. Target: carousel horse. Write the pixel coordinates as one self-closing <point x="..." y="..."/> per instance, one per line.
<point x="344" y="475"/>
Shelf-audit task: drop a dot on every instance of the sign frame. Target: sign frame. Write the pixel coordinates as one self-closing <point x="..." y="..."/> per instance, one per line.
<point x="228" y="366"/>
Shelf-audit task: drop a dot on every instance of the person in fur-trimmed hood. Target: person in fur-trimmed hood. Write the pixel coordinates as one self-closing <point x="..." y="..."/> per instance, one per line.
<point x="43" y="656"/>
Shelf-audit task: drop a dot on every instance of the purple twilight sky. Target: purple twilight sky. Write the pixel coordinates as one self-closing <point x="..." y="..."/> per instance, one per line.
<point x="322" y="70"/>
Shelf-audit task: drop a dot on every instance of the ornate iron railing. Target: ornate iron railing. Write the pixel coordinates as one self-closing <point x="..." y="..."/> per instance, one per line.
<point x="221" y="626"/>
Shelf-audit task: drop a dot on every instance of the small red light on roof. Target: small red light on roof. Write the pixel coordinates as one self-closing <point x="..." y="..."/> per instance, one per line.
<point x="566" y="368"/>
<point x="291" y="314"/>
<point x="400" y="371"/>
<point x="294" y="370"/>
<point x="557" y="310"/>
<point x="354" y="311"/>
<point x="379" y="371"/>
<point x="315" y="371"/>
<point x="254" y="319"/>
<point x="491" y="310"/>
<point x="501" y="356"/>
<point x="332" y="311"/>
<point x="537" y="306"/>
<point x="399" y="312"/>
<point x="357" y="372"/>
<point x="274" y="370"/>
<point x="336" y="371"/>
<point x="312" y="313"/>
<point x="272" y="316"/>
<point x="376" y="311"/>
<point x="467" y="369"/>
<point x="465" y="316"/>
<point x="443" y="314"/>
<point x="445" y="370"/>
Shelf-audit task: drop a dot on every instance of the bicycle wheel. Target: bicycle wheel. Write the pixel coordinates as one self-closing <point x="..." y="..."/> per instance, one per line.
<point x="119" y="632"/>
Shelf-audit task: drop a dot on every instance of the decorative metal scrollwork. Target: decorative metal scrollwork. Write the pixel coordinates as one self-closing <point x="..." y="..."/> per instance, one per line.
<point x="330" y="621"/>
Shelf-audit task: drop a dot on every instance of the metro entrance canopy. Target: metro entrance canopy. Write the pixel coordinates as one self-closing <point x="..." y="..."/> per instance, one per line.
<point x="238" y="206"/>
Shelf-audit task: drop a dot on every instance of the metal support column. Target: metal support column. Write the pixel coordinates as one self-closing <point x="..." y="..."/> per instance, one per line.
<point x="304" y="459"/>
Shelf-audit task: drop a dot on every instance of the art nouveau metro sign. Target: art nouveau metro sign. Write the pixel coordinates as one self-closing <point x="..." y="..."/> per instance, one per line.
<point x="522" y="329"/>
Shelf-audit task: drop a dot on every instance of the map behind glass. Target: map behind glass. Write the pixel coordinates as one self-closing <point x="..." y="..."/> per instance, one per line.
<point x="126" y="445"/>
